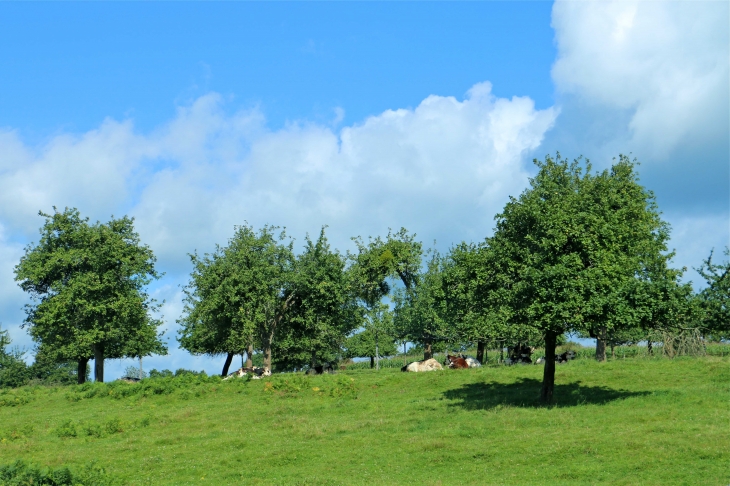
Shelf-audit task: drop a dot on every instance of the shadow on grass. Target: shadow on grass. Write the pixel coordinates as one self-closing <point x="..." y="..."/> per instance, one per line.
<point x="526" y="393"/>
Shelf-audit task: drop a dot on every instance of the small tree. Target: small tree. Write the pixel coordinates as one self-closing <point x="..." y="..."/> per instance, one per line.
<point x="420" y="310"/>
<point x="87" y="282"/>
<point x="363" y="345"/>
<point x="715" y="298"/>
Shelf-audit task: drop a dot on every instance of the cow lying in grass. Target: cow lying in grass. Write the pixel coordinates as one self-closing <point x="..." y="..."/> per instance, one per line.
<point x="321" y="369"/>
<point x="559" y="358"/>
<point x="470" y="362"/>
<point x="519" y="355"/>
<point x="457" y="362"/>
<point x="425" y="365"/>
<point x="255" y="372"/>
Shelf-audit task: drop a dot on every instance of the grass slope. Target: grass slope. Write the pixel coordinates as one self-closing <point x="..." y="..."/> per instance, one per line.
<point x="633" y="421"/>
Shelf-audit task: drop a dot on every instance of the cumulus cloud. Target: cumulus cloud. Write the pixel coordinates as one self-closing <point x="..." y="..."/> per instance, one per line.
<point x="666" y="63"/>
<point x="442" y="169"/>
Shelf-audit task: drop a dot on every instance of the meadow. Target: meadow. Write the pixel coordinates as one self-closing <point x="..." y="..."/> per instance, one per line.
<point x="627" y="421"/>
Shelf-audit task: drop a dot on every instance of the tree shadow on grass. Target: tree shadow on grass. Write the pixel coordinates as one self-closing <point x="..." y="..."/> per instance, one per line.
<point x="526" y="393"/>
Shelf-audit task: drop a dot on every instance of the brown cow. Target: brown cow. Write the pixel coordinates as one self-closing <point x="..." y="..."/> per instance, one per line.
<point x="456" y="362"/>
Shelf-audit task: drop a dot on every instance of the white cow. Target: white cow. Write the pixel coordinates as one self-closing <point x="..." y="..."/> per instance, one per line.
<point x="425" y="365"/>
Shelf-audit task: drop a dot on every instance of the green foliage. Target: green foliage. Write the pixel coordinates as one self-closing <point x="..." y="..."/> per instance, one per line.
<point x="87" y="282"/>
<point x="323" y="310"/>
<point x="714" y="299"/>
<point x="362" y="345"/>
<point x="20" y="473"/>
<point x="238" y="295"/>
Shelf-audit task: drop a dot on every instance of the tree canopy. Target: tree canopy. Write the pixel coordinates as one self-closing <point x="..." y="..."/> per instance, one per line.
<point x="87" y="282"/>
<point x="569" y="244"/>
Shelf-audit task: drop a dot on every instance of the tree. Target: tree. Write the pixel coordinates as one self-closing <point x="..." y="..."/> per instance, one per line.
<point x="13" y="370"/>
<point x="323" y="309"/>
<point x="420" y="310"/>
<point x="87" y="282"/>
<point x="715" y="298"/>
<point x="363" y="345"/>
<point x="377" y="262"/>
<point x="568" y="242"/>
<point x="238" y="296"/>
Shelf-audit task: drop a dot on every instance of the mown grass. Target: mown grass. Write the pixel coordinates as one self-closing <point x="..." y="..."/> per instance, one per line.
<point x="629" y="421"/>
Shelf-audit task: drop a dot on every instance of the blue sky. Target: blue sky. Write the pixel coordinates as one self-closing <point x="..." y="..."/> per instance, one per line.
<point x="194" y="117"/>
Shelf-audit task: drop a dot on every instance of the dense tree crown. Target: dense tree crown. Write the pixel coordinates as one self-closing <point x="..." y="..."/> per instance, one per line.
<point x="87" y="282"/>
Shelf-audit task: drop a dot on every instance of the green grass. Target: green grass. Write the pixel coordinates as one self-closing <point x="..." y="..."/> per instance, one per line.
<point x="632" y="421"/>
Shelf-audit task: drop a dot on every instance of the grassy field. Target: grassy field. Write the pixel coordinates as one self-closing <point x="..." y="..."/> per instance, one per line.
<point x="628" y="421"/>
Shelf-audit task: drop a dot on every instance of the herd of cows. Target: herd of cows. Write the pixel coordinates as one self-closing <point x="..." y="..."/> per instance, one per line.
<point x="517" y="355"/>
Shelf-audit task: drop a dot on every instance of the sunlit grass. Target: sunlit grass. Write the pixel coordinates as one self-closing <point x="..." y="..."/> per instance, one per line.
<point x="632" y="421"/>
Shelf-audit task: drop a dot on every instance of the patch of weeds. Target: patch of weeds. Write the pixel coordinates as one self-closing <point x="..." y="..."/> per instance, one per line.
<point x="14" y="398"/>
<point x="113" y="426"/>
<point x="71" y="429"/>
<point x="343" y="387"/>
<point x="19" y="473"/>
<point x="66" y="430"/>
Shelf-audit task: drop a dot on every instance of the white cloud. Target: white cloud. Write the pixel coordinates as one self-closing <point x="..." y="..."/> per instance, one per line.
<point x="693" y="237"/>
<point x="666" y="63"/>
<point x="442" y="169"/>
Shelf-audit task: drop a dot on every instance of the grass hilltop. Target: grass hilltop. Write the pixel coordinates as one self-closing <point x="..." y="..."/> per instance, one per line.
<point x="630" y="421"/>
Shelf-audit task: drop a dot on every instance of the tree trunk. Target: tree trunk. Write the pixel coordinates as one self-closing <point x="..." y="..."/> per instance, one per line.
<point x="227" y="365"/>
<point x="613" y="352"/>
<point x="601" y="344"/>
<point x="372" y="362"/>
<point x="99" y="362"/>
<point x="404" y="354"/>
<point x="81" y="370"/>
<point x="501" y="352"/>
<point x="141" y="371"/>
<point x="648" y="346"/>
<point x="427" y="352"/>
<point x="548" y="377"/>
<point x="249" y="356"/>
<point x="480" y="351"/>
<point x="377" y="354"/>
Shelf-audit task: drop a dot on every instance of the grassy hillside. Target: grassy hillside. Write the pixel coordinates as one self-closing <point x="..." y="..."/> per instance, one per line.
<point x="632" y="421"/>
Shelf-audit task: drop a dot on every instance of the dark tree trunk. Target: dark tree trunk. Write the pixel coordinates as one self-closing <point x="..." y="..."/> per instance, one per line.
<point x="99" y="362"/>
<point x="548" y="377"/>
<point x="427" y="351"/>
<point x="601" y="344"/>
<point x="649" y="348"/>
<point x="372" y="362"/>
<point x="480" y="351"/>
<point x="501" y="352"/>
<point x="227" y="365"/>
<point x="249" y="356"/>
<point x="81" y="370"/>
<point x="404" y="353"/>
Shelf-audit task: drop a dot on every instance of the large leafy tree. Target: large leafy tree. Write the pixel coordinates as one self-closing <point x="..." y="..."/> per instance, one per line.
<point x="239" y="295"/>
<point x="567" y="246"/>
<point x="323" y="310"/>
<point x="88" y="283"/>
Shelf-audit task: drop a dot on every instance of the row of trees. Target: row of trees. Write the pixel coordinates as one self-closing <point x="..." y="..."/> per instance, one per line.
<point x="577" y="252"/>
